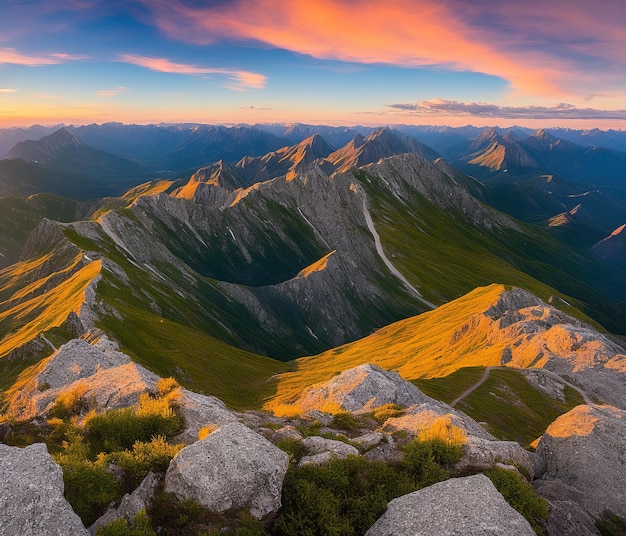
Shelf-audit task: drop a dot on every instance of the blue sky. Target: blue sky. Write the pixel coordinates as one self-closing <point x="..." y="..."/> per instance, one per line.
<point x="542" y="63"/>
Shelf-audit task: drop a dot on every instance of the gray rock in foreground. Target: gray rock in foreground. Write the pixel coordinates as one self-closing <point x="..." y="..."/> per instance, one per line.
<point x="459" y="506"/>
<point x="585" y="456"/>
<point x="232" y="468"/>
<point x="31" y="495"/>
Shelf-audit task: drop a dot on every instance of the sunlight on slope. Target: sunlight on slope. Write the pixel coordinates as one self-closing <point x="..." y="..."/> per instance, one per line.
<point x="30" y="318"/>
<point x="432" y="344"/>
<point x="317" y="266"/>
<point x="147" y="188"/>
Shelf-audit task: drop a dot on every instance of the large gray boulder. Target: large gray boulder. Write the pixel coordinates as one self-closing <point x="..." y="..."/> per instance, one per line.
<point x="31" y="495"/>
<point x="361" y="389"/>
<point x="585" y="456"/>
<point x="233" y="467"/>
<point x="459" y="506"/>
<point x="200" y="411"/>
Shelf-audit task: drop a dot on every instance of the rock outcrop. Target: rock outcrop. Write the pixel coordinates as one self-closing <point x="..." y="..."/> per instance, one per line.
<point x="104" y="376"/>
<point x="480" y="454"/>
<point x="131" y="504"/>
<point x="420" y="417"/>
<point x="107" y="379"/>
<point x="469" y="505"/>
<point x="585" y="453"/>
<point x="323" y="450"/>
<point x="361" y="389"/>
<point x="31" y="495"/>
<point x="231" y="468"/>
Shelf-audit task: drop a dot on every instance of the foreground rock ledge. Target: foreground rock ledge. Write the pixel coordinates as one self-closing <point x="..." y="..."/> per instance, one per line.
<point x="469" y="505"/>
<point x="31" y="495"/>
<point x="584" y="452"/>
<point x="232" y="468"/>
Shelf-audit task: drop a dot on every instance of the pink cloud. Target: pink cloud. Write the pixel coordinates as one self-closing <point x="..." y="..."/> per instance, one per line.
<point x="12" y="56"/>
<point x="237" y="80"/>
<point x="491" y="37"/>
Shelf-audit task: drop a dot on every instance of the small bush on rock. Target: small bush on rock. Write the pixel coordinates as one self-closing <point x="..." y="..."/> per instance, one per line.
<point x="70" y="403"/>
<point x="425" y="462"/>
<point x="89" y="487"/>
<point x="119" y="429"/>
<point x="520" y="495"/>
<point x="382" y="413"/>
<point x="343" y="497"/>
<point x="120" y="527"/>
<point x="145" y="456"/>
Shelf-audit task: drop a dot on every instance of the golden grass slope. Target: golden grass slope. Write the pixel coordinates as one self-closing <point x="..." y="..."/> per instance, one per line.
<point x="24" y="319"/>
<point x="433" y="344"/>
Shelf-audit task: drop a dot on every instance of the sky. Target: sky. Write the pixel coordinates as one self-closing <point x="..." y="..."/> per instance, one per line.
<point x="535" y="63"/>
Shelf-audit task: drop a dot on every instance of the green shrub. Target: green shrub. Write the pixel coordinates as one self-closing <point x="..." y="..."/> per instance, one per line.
<point x="153" y="455"/>
<point x="343" y="497"/>
<point x="520" y="495"/>
<point x="89" y="487"/>
<point x="70" y="403"/>
<point x="345" y="421"/>
<point x="388" y="411"/>
<point x="120" y="527"/>
<point x="120" y="429"/>
<point x="311" y="429"/>
<point x="294" y="447"/>
<point x="611" y="525"/>
<point x="420" y="463"/>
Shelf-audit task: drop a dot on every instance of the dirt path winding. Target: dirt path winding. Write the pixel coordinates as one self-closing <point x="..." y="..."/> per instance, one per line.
<point x="472" y="388"/>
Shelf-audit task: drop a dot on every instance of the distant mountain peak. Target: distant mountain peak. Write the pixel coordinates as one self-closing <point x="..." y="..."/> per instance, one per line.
<point x="543" y="135"/>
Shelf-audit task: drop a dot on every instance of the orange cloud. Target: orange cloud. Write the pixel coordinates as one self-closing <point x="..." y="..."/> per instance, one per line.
<point x="398" y="32"/>
<point x="238" y="80"/>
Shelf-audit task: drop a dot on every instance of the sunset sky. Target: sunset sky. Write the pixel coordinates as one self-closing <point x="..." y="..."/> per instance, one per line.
<point x="483" y="62"/>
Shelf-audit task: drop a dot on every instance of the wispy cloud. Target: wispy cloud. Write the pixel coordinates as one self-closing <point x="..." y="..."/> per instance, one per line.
<point x="111" y="92"/>
<point x="452" y="108"/>
<point x="237" y="80"/>
<point x="13" y="57"/>
<point x="539" y="47"/>
<point x="5" y="90"/>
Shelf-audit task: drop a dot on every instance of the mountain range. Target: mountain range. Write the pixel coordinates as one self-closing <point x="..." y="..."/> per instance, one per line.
<point x="277" y="267"/>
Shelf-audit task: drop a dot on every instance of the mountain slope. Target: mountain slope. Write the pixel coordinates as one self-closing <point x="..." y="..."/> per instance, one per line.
<point x="490" y="326"/>
<point x="292" y="267"/>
